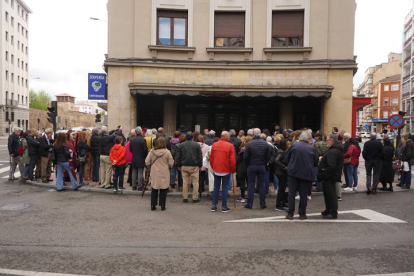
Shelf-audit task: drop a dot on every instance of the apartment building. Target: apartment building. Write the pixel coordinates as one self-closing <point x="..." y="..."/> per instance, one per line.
<point x="224" y="64"/>
<point x="14" y="64"/>
<point x="407" y="75"/>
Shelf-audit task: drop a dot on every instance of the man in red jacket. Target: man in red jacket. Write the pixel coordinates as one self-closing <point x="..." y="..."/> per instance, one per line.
<point x="223" y="163"/>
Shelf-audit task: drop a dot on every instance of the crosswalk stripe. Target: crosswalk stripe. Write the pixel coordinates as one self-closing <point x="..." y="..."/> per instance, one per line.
<point x="5" y="169"/>
<point x="16" y="175"/>
<point x="33" y="273"/>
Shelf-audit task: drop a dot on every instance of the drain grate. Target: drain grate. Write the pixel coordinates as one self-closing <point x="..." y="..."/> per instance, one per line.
<point x="15" y="206"/>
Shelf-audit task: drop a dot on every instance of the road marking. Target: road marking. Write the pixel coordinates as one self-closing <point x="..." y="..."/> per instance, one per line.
<point x="16" y="175"/>
<point x="5" y="169"/>
<point x="395" y="274"/>
<point x="34" y="273"/>
<point x="369" y="215"/>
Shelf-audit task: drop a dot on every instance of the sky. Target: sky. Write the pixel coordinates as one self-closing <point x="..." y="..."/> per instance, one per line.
<point x="65" y="45"/>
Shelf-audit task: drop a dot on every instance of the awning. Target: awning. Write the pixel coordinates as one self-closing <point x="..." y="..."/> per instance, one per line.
<point x="322" y="91"/>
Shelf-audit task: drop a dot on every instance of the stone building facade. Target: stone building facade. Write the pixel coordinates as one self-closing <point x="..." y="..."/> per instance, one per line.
<point x="224" y="64"/>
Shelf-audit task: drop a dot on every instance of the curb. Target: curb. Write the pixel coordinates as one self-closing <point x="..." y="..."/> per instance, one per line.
<point x="175" y="194"/>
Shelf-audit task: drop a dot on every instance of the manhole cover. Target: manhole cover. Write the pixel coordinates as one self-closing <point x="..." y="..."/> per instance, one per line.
<point x="15" y="206"/>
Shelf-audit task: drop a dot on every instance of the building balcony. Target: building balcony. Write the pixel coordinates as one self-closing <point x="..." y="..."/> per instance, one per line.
<point x="406" y="78"/>
<point x="407" y="42"/>
<point x="407" y="59"/>
<point x="405" y="95"/>
<point x="11" y="103"/>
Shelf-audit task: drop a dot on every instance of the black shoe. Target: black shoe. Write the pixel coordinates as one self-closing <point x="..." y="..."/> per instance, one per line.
<point x="329" y="217"/>
<point x="134" y="188"/>
<point x="196" y="201"/>
<point x="122" y="188"/>
<point x="153" y="208"/>
<point x="369" y="192"/>
<point x="213" y="208"/>
<point x="405" y="188"/>
<point x="163" y="208"/>
<point x="399" y="185"/>
<point x="45" y="181"/>
<point x="50" y="180"/>
<point x="185" y="200"/>
<point x="344" y="186"/>
<point x="248" y="206"/>
<point x="390" y="189"/>
<point x="77" y="188"/>
<point x="107" y="188"/>
<point x="60" y="190"/>
<point x="281" y="209"/>
<point x="263" y="207"/>
<point x="374" y="191"/>
<point x="325" y="213"/>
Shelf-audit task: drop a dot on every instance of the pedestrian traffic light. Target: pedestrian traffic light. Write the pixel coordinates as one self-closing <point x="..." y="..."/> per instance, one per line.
<point x="402" y="113"/>
<point x="52" y="114"/>
<point x="97" y="118"/>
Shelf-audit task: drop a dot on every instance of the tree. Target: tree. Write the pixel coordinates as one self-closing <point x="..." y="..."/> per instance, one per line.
<point x="39" y="100"/>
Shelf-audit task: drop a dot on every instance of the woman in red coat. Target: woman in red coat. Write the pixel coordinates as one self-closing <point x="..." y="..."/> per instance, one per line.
<point x="354" y="151"/>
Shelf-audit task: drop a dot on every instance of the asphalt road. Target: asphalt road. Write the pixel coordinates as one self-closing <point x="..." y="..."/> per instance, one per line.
<point x="108" y="234"/>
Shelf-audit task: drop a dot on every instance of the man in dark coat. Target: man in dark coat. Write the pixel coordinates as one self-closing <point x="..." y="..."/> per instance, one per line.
<point x="302" y="160"/>
<point x="373" y="154"/>
<point x="139" y="151"/>
<point x="256" y="157"/>
<point x="45" y="152"/>
<point x="95" y="151"/>
<point x="33" y="147"/>
<point x="189" y="162"/>
<point x="16" y="151"/>
<point x="330" y="170"/>
<point x="106" y="143"/>
<point x="236" y="142"/>
<point x="408" y="156"/>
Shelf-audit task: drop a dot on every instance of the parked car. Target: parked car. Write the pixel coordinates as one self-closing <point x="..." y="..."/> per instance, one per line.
<point x="364" y="134"/>
<point x="359" y="137"/>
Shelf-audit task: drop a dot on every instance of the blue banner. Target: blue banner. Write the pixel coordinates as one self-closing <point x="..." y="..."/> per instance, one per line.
<point x="97" y="86"/>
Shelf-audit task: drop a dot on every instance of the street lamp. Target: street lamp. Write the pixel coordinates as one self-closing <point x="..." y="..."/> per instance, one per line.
<point x="98" y="19"/>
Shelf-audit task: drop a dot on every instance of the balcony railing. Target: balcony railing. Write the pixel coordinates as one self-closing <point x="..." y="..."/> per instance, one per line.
<point x="406" y="77"/>
<point x="12" y="103"/>
<point x="408" y="41"/>
<point x="406" y="60"/>
<point x="405" y="95"/>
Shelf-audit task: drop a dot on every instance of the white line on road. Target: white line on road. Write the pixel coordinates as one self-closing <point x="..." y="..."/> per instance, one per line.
<point x="33" y="273"/>
<point x="395" y="274"/>
<point x="369" y="215"/>
<point x="16" y="175"/>
<point x="5" y="169"/>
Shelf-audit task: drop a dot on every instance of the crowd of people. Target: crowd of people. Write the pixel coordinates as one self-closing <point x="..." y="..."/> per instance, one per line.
<point x="294" y="161"/>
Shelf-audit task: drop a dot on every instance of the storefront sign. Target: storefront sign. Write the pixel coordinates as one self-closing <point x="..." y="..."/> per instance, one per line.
<point x="96" y="86"/>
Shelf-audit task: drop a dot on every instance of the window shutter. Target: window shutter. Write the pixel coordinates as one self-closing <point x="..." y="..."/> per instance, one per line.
<point x="229" y="24"/>
<point x="172" y="13"/>
<point x="288" y="24"/>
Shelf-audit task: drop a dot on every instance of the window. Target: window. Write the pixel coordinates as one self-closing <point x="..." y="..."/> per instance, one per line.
<point x="12" y="116"/>
<point x="7" y="115"/>
<point x="395" y="87"/>
<point x="18" y="45"/>
<point x="27" y="34"/>
<point x="172" y="27"/>
<point x="7" y="56"/>
<point x="12" y="77"/>
<point x="12" y="3"/>
<point x="394" y="101"/>
<point x="12" y="21"/>
<point x="18" y="82"/>
<point x="18" y="27"/>
<point x="22" y="47"/>
<point x="22" y="64"/>
<point x="386" y="103"/>
<point x="385" y="114"/>
<point x="18" y="62"/>
<point x="229" y="29"/>
<point x="7" y="17"/>
<point x="7" y="36"/>
<point x="26" y="103"/>
<point x="7" y="75"/>
<point x="27" y="67"/>
<point x="27" y="84"/>
<point x="386" y="88"/>
<point x="12" y="40"/>
<point x="288" y="28"/>
<point x="12" y="59"/>
<point x="27" y="17"/>
<point x="18" y="9"/>
<point x="27" y="51"/>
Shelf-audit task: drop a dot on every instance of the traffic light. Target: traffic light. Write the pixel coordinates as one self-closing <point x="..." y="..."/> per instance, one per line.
<point x="402" y="113"/>
<point x="52" y="114"/>
<point x="97" y="118"/>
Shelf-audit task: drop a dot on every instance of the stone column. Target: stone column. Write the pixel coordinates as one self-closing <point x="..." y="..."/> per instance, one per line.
<point x="170" y="116"/>
<point x="286" y="114"/>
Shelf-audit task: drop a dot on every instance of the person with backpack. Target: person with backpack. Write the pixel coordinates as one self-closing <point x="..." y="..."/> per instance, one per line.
<point x="16" y="152"/>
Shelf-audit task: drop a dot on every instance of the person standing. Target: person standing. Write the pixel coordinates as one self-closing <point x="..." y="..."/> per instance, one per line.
<point x="46" y="147"/>
<point x="25" y="157"/>
<point x="203" y="172"/>
<point x="161" y="161"/>
<point x="387" y="173"/>
<point x="320" y="147"/>
<point x="256" y="156"/>
<point x="280" y="167"/>
<point x="119" y="160"/>
<point x="330" y="171"/>
<point x="346" y="144"/>
<point x="175" y="145"/>
<point x="33" y="145"/>
<point x="241" y="135"/>
<point x="302" y="160"/>
<point x="373" y="154"/>
<point x="189" y="162"/>
<point x="16" y="152"/>
<point x="241" y="170"/>
<point x="408" y="161"/>
<point x="132" y="135"/>
<point x="210" y="138"/>
<point x="82" y="149"/>
<point x="223" y="163"/>
<point x="62" y="157"/>
<point x="139" y="150"/>
<point x="353" y="152"/>
<point x="95" y="154"/>
<point x="106" y="143"/>
<point x="149" y="139"/>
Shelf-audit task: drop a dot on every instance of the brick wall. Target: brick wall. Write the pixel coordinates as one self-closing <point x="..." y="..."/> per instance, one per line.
<point x="68" y="119"/>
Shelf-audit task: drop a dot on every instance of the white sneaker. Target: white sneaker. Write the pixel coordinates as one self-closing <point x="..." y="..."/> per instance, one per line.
<point x="339" y="198"/>
<point x="348" y="189"/>
<point x="355" y="189"/>
<point x="309" y="198"/>
<point x="297" y="197"/>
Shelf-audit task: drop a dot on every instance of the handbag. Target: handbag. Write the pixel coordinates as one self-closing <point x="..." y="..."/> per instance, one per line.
<point x="347" y="160"/>
<point x="148" y="172"/>
<point x="396" y="165"/>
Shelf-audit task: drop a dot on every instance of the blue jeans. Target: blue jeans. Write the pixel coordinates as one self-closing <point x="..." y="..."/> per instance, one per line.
<point x="81" y="171"/>
<point x="26" y="170"/>
<point x="352" y="171"/>
<point x="253" y="172"/>
<point x="275" y="182"/>
<point x="267" y="181"/>
<point x="59" y="180"/>
<point x="407" y="179"/>
<point x="224" y="181"/>
<point x="95" y="169"/>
